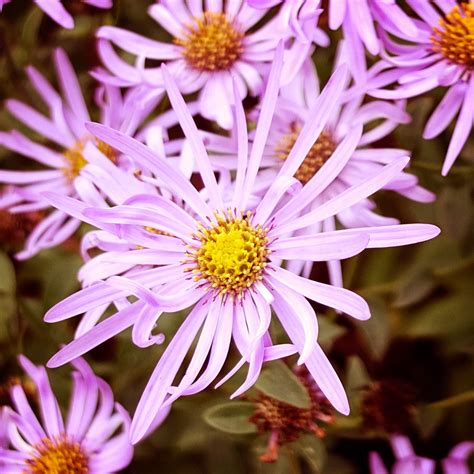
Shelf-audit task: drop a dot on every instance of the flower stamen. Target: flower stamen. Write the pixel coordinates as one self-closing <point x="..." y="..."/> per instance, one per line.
<point x="214" y="44"/>
<point x="59" y="456"/>
<point x="231" y="255"/>
<point x="454" y="38"/>
<point x="320" y="152"/>
<point x="76" y="161"/>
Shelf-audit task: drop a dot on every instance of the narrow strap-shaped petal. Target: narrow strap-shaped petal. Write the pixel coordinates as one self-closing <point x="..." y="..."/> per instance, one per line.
<point x="324" y="177"/>
<point x="165" y="371"/>
<point x="219" y="350"/>
<point x="70" y="86"/>
<point x="163" y="169"/>
<point x="100" y="333"/>
<point x="240" y="124"/>
<point x="317" y="364"/>
<point x="191" y="132"/>
<point x="346" y="199"/>
<point x="334" y="297"/>
<point x="49" y="407"/>
<point x="263" y="125"/>
<point x="462" y="129"/>
<point x="321" y="247"/>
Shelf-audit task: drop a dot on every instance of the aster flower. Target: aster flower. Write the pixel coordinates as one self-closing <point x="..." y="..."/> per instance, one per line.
<point x="210" y="46"/>
<point x="224" y="260"/>
<point x="63" y="159"/>
<point x="407" y="462"/>
<point x="441" y="55"/>
<point x="292" y="112"/>
<point x="93" y="439"/>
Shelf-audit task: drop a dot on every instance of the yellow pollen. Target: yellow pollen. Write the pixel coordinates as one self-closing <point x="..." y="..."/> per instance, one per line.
<point x="214" y="44"/>
<point x="76" y="160"/>
<point x="58" y="457"/>
<point x="320" y="152"/>
<point x="231" y="254"/>
<point x="454" y="38"/>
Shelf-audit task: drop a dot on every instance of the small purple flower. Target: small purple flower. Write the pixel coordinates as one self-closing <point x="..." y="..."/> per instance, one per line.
<point x="93" y="439"/>
<point x="210" y="46"/>
<point x="64" y="129"/>
<point x="441" y="55"/>
<point x="407" y="462"/>
<point x="224" y="260"/>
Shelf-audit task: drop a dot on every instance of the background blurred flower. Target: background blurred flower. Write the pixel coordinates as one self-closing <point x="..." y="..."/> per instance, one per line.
<point x="407" y="462"/>
<point x="94" y="438"/>
<point x="441" y="55"/>
<point x="63" y="159"/>
<point x="210" y="46"/>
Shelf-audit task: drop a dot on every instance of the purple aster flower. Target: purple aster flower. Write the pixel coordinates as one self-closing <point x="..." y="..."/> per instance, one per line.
<point x="224" y="260"/>
<point x="93" y="439"/>
<point x="210" y="46"/>
<point x="64" y="129"/>
<point x="441" y="55"/>
<point x="407" y="462"/>
<point x="292" y="111"/>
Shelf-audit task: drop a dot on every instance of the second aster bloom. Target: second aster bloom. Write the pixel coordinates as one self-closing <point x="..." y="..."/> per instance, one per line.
<point x="210" y="46"/>
<point x="62" y="159"/>
<point x="407" y="462"/>
<point x="92" y="440"/>
<point x="224" y="259"/>
<point x="441" y="55"/>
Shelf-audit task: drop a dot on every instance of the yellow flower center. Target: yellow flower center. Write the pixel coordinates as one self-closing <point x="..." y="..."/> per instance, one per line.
<point x="454" y="39"/>
<point x="214" y="44"/>
<point x="320" y="152"/>
<point x="58" y="457"/>
<point x="231" y="254"/>
<point x="76" y="161"/>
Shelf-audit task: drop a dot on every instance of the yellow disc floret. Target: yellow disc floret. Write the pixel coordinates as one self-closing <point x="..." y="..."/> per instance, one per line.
<point x="76" y="161"/>
<point x="454" y="38"/>
<point x="320" y="152"/>
<point x="212" y="44"/>
<point x="61" y="456"/>
<point x="231" y="254"/>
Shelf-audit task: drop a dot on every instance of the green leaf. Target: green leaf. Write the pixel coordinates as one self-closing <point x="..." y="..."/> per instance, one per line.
<point x="328" y="330"/>
<point x="7" y="275"/>
<point x="231" y="417"/>
<point x="314" y="452"/>
<point x="279" y="382"/>
<point x="357" y="376"/>
<point x="414" y="289"/>
<point x="377" y="328"/>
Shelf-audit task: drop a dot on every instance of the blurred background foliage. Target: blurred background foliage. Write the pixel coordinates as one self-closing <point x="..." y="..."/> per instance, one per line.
<point x="409" y="368"/>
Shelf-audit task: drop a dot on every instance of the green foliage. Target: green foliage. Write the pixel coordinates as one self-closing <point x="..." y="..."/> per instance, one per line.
<point x="279" y="382"/>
